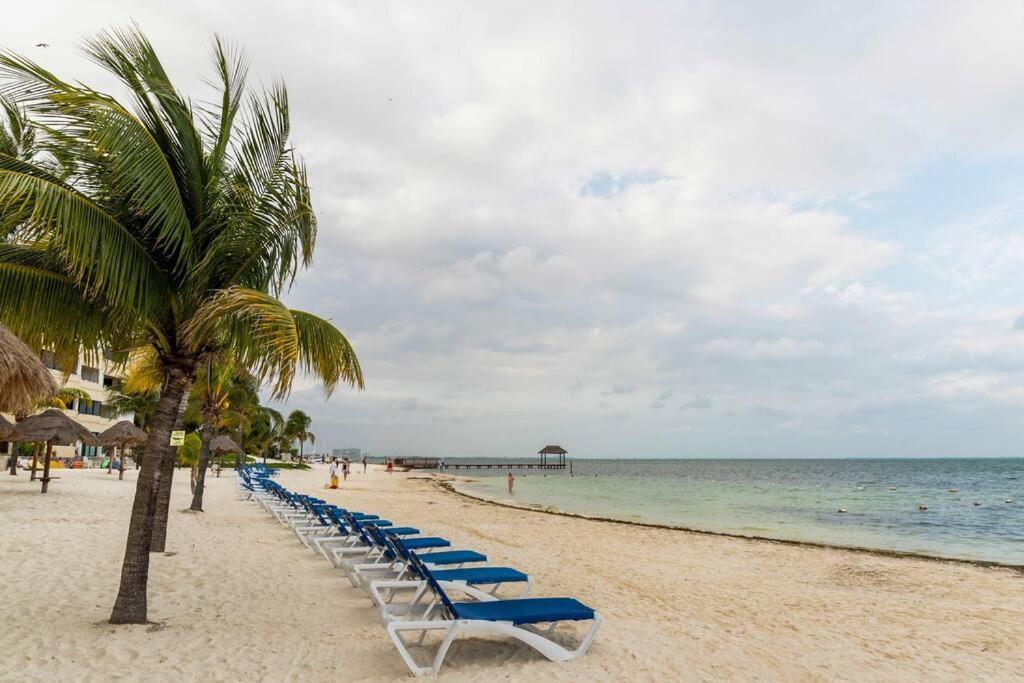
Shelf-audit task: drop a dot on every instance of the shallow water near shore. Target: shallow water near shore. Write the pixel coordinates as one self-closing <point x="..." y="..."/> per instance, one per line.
<point x="798" y="500"/>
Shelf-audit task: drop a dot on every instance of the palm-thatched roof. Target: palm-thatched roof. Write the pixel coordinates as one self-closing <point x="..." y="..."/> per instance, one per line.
<point x="224" y="444"/>
<point x="23" y="377"/>
<point x="552" y="450"/>
<point x="5" y="428"/>
<point x="124" y="433"/>
<point x="53" y="425"/>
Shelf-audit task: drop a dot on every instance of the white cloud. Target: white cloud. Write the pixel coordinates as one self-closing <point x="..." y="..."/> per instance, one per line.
<point x="539" y="206"/>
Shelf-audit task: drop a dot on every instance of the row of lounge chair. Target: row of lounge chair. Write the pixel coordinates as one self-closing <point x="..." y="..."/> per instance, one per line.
<point x="411" y="578"/>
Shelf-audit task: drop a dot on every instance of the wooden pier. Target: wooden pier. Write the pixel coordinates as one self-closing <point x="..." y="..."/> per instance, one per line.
<point x="560" y="463"/>
<point x="434" y="463"/>
<point x="503" y="466"/>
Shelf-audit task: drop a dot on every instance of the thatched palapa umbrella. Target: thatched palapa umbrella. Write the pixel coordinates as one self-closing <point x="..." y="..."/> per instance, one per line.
<point x="52" y="426"/>
<point x="6" y="428"/>
<point x="23" y="377"/>
<point x="23" y="381"/>
<point x="123" y="434"/>
<point x="223" y="444"/>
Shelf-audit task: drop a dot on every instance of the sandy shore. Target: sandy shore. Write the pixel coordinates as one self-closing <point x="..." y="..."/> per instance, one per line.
<point x="238" y="598"/>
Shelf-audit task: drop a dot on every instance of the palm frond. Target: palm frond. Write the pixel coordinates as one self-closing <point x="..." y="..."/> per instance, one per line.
<point x="143" y="374"/>
<point x="129" y="55"/>
<point x="274" y="342"/>
<point x="100" y="254"/>
<point x="44" y="306"/>
<point x="232" y="68"/>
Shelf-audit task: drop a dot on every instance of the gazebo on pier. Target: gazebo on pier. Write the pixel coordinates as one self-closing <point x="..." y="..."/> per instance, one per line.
<point x="552" y="450"/>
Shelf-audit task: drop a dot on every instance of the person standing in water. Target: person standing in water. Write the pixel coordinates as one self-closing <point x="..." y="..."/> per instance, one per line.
<point x="364" y="464"/>
<point x="511" y="483"/>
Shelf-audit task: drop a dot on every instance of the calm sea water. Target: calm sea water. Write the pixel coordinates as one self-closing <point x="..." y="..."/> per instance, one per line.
<point x="799" y="499"/>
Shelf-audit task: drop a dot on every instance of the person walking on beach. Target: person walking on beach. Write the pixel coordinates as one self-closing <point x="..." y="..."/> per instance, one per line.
<point x="391" y="466"/>
<point x="511" y="483"/>
<point x="364" y="464"/>
<point x="344" y="469"/>
<point x="334" y="474"/>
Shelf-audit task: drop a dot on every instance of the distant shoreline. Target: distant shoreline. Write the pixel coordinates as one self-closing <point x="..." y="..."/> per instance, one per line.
<point x="449" y="487"/>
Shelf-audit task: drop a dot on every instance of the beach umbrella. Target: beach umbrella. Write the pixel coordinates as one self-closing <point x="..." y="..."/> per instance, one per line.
<point x="53" y="427"/>
<point x="123" y="434"/>
<point x="223" y="444"/>
<point x="23" y="377"/>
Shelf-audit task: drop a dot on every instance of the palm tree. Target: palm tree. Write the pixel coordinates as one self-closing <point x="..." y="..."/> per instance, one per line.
<point x="223" y="395"/>
<point x="296" y="428"/>
<point x="172" y="225"/>
<point x="65" y="399"/>
<point x="265" y="428"/>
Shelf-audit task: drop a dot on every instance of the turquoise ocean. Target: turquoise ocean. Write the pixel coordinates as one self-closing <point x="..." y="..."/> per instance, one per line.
<point x="968" y="515"/>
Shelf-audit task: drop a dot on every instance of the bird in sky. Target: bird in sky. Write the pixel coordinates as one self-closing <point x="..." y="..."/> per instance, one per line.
<point x="42" y="45"/>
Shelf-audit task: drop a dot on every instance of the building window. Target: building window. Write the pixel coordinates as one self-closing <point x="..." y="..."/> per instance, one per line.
<point x="112" y="383"/>
<point x="91" y="374"/>
<point x="90" y="408"/>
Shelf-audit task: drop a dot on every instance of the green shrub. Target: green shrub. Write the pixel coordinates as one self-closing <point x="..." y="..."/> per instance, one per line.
<point x="288" y="465"/>
<point x="188" y="455"/>
<point x="229" y="460"/>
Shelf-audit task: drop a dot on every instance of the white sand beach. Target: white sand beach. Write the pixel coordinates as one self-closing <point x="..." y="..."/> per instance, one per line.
<point x="238" y="598"/>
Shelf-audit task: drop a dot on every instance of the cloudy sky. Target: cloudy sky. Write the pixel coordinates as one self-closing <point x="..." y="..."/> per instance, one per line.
<point x="641" y="228"/>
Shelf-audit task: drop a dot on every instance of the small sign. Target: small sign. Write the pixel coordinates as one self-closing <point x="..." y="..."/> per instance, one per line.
<point x="178" y="438"/>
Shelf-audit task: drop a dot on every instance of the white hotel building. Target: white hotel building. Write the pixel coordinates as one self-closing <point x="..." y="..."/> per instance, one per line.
<point x="100" y="383"/>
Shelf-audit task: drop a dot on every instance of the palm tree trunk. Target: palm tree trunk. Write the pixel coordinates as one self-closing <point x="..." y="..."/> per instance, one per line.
<point x="131" y="604"/>
<point x="240" y="458"/>
<point x="204" y="462"/>
<point x="163" y="499"/>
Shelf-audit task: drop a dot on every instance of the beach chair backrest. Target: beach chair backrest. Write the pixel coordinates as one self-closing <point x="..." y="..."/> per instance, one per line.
<point x="335" y="513"/>
<point x="394" y="544"/>
<point x="371" y="536"/>
<point x="319" y="510"/>
<point x="382" y="541"/>
<point x="354" y="524"/>
<point x="422" y="570"/>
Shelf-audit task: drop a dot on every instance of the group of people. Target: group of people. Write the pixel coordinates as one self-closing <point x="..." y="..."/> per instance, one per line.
<point x="390" y="467"/>
<point x="346" y="468"/>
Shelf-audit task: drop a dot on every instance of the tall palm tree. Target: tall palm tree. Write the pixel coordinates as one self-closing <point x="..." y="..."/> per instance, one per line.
<point x="173" y="225"/>
<point x="265" y="427"/>
<point x="296" y="428"/>
<point x="223" y="395"/>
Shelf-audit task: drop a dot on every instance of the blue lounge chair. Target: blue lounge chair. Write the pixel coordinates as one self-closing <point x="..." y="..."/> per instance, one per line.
<point x="382" y="561"/>
<point x="519" y="619"/>
<point x="412" y="585"/>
